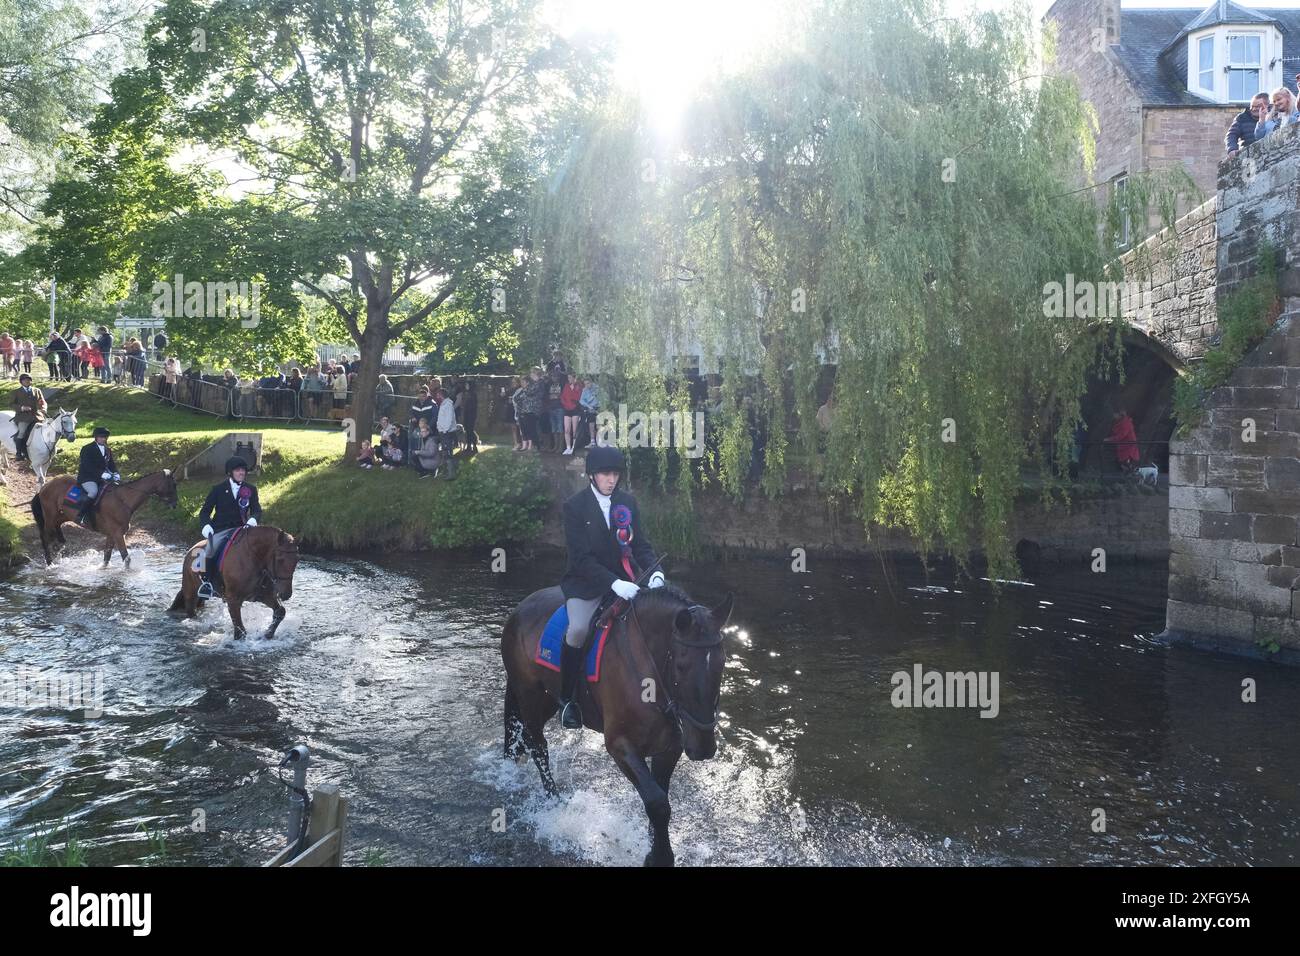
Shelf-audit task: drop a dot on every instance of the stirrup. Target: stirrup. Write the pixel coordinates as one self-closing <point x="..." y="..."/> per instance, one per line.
<point x="571" y="716"/>
<point x="205" y="590"/>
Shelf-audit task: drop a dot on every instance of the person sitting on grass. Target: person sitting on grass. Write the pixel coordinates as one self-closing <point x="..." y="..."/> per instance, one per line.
<point x="366" y="456"/>
<point x="426" y="455"/>
<point x="393" y="451"/>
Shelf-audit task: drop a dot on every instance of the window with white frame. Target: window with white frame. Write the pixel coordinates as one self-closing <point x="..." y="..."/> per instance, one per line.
<point x="1205" y="64"/>
<point x="1244" y="68"/>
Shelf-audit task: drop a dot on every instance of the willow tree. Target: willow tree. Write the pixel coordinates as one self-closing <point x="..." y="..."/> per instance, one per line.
<point x="891" y="190"/>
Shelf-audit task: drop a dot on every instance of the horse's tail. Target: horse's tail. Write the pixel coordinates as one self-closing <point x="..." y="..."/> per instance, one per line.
<point x="38" y="513"/>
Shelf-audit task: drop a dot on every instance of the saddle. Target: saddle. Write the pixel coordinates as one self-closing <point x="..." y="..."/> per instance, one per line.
<point x="76" y="497"/>
<point x="550" y="643"/>
<point x="214" y="556"/>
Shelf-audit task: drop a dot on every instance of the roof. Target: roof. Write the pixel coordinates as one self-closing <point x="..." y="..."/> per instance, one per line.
<point x="1155" y="61"/>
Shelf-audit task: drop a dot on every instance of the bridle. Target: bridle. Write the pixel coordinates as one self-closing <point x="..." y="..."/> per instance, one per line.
<point x="63" y="430"/>
<point x="673" y="710"/>
<point x="270" y="576"/>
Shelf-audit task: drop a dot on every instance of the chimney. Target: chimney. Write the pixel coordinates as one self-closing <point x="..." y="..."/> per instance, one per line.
<point x="1108" y="10"/>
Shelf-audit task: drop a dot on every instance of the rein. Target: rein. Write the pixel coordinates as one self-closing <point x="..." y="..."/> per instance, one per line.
<point x="58" y="433"/>
<point x="672" y="709"/>
<point x="268" y="576"/>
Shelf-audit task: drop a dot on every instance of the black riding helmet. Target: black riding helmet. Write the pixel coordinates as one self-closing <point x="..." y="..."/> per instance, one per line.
<point x="100" y="431"/>
<point x="236" y="462"/>
<point x="605" y="458"/>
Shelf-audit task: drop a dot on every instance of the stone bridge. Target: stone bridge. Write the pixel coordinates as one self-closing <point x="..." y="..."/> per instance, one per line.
<point x="1234" y="492"/>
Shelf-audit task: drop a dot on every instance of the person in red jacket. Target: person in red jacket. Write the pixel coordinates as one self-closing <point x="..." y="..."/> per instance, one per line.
<point x="569" y="397"/>
<point x="1124" y="437"/>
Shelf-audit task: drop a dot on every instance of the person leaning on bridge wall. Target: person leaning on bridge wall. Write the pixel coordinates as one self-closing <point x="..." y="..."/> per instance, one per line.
<point x="1282" y="113"/>
<point x="1242" y="131"/>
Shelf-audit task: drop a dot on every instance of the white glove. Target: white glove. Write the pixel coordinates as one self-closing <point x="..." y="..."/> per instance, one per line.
<point x="656" y="580"/>
<point x="207" y="531"/>
<point x="624" y="589"/>
<point x="106" y="476"/>
<point x="251" y="522"/>
<point x="117" y="476"/>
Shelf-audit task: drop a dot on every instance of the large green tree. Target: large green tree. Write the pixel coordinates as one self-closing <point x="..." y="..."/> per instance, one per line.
<point x="378" y="150"/>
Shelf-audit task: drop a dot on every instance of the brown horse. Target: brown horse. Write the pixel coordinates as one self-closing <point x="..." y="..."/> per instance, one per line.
<point x="660" y="679"/>
<point x="258" y="567"/>
<point x="112" y="514"/>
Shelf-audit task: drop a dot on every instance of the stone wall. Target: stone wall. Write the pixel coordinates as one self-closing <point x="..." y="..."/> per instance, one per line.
<point x="1233" y="502"/>
<point x="1102" y="81"/>
<point x="1190" y="137"/>
<point x="1259" y="197"/>
<point x="1182" y="270"/>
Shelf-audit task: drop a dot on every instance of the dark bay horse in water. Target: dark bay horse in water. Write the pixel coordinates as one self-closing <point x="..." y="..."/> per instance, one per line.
<point x="657" y="697"/>
<point x="258" y="567"/>
<point x="112" y="514"/>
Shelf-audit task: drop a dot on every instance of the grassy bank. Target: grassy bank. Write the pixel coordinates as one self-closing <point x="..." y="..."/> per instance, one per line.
<point x="496" y="498"/>
<point x="11" y="552"/>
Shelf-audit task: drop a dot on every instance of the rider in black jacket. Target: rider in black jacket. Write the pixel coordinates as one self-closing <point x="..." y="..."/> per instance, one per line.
<point x="231" y="504"/>
<point x="95" y="469"/>
<point x="608" y="550"/>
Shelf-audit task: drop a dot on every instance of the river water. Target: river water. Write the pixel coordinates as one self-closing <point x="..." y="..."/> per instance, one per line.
<point x="388" y="668"/>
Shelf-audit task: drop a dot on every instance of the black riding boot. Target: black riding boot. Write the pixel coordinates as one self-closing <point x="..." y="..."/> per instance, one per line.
<point x="83" y="513"/>
<point x="570" y="670"/>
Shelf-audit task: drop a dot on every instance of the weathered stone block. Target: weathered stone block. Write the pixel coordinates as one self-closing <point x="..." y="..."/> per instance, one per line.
<point x="1187" y="469"/>
<point x="1261" y="598"/>
<point x="1236" y="418"/>
<point x="1268" y="444"/>
<point x="1274" y="529"/>
<point x="1192" y="566"/>
<point x="1210" y="620"/>
<point x="1262" y="502"/>
<point x="1282" y="474"/>
<point x="1283" y="577"/>
<point x="1185" y="522"/>
<point x="1222" y="550"/>
<point x="1203" y="499"/>
<point x="1232" y="472"/>
<point x="1231" y="526"/>
<point x="1193" y="589"/>
<point x="1268" y="375"/>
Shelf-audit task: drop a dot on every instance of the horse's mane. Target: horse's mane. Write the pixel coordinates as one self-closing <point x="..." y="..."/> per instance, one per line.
<point x="668" y="594"/>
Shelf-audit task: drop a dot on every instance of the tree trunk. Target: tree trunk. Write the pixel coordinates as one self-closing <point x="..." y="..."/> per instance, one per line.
<point x="361" y="409"/>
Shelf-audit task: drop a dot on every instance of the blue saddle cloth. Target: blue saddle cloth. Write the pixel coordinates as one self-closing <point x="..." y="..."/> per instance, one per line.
<point x="548" y="645"/>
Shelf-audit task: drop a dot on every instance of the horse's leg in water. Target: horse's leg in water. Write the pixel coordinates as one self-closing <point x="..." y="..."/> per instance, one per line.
<point x="277" y="614"/>
<point x="121" y="547"/>
<point x="514" y="727"/>
<point x="535" y="708"/>
<point x="661" y="768"/>
<point x="653" y="795"/>
<point x="236" y="606"/>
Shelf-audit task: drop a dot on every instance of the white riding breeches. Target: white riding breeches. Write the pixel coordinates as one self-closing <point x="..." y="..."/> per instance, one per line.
<point x="92" y="488"/>
<point x="580" y="612"/>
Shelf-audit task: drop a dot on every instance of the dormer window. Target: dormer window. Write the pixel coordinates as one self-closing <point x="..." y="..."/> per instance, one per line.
<point x="1243" y="66"/>
<point x="1228" y="53"/>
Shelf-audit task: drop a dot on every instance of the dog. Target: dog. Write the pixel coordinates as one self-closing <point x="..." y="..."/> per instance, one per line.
<point x="1148" y="476"/>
